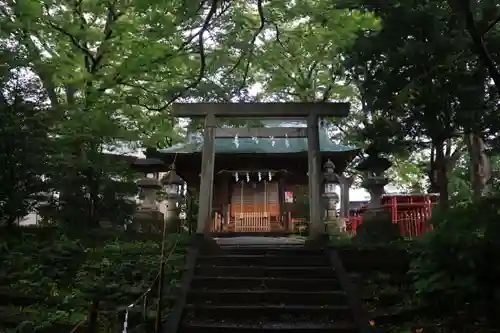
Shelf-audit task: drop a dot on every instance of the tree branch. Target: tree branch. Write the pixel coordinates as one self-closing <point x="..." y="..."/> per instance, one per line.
<point x="249" y="54"/>
<point x="86" y="52"/>
<point x="491" y="25"/>
<point x="252" y="43"/>
<point x="329" y="88"/>
<point x="201" y="47"/>
<point x="311" y="70"/>
<point x="111" y="18"/>
<point x="477" y="39"/>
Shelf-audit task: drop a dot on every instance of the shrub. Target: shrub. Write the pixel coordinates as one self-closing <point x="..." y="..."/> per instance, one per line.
<point x="49" y="278"/>
<point x="457" y="266"/>
<point x="377" y="227"/>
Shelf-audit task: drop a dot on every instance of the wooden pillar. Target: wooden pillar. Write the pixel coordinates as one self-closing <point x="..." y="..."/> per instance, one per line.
<point x="316" y="226"/>
<point x="207" y="175"/>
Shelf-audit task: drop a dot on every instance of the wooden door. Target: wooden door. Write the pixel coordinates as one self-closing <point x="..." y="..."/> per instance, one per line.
<point x="254" y="205"/>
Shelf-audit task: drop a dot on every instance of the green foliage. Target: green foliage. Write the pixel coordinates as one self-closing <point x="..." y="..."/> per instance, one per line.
<point x="23" y="140"/>
<point x="101" y="91"/>
<point x="407" y="172"/>
<point x="340" y="240"/>
<point x="377" y="228"/>
<point x="102" y="192"/>
<point x="421" y="84"/>
<point x="290" y="66"/>
<point x="56" y="286"/>
<point x="457" y="265"/>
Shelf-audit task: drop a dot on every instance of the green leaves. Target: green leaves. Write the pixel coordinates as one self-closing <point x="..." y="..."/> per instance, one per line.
<point x="23" y="138"/>
<point x="301" y="60"/>
<point x="56" y="286"/>
<point x="456" y="261"/>
<point x="110" y="70"/>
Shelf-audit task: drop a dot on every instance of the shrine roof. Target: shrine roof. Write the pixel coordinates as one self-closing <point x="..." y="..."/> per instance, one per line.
<point x="258" y="146"/>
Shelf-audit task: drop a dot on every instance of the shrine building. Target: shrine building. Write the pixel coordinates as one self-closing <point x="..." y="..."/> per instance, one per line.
<point x="256" y="179"/>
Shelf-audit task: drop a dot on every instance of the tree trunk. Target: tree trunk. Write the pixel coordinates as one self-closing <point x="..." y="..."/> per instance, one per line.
<point x="479" y="165"/>
<point x="442" y="162"/>
<point x="432" y="174"/>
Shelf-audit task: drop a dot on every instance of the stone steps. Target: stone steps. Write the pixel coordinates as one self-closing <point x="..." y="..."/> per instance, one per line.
<point x="266" y="297"/>
<point x="273" y="289"/>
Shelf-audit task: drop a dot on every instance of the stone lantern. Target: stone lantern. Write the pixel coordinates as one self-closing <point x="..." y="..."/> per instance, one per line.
<point x="331" y="198"/>
<point x="148" y="216"/>
<point x="373" y="168"/>
<point x="173" y="186"/>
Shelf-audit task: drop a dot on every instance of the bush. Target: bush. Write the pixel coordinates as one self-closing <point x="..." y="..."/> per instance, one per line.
<point x="377" y="227"/>
<point x="457" y="267"/>
<point x="55" y="286"/>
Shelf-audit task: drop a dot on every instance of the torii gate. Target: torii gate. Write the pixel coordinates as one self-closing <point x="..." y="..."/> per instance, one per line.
<point x="309" y="110"/>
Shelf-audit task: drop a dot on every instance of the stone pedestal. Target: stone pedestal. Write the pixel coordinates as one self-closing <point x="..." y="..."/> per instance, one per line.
<point x="149" y="221"/>
<point x="333" y="223"/>
<point x="171" y="210"/>
<point x="331" y="201"/>
<point x="171" y="217"/>
<point x="148" y="217"/>
<point x="173" y="186"/>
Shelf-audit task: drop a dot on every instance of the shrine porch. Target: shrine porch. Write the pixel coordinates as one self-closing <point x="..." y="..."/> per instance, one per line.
<point x="257" y="223"/>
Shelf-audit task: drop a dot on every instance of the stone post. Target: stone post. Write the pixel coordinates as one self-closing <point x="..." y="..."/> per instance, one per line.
<point x="331" y="199"/>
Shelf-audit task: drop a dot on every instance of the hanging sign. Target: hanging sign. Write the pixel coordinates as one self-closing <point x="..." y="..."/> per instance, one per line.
<point x="288" y="197"/>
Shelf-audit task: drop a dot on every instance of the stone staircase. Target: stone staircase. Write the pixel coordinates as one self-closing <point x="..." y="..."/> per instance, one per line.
<point x="266" y="289"/>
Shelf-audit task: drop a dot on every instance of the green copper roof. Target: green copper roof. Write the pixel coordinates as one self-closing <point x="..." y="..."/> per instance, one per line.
<point x="260" y="145"/>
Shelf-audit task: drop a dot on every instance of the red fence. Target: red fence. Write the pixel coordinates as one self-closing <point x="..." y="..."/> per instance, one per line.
<point x="411" y="212"/>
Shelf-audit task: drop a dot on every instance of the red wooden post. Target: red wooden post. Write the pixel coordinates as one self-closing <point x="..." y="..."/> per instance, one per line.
<point x="394" y="209"/>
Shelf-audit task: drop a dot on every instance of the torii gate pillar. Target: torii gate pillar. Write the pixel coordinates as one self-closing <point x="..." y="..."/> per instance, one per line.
<point x="316" y="225"/>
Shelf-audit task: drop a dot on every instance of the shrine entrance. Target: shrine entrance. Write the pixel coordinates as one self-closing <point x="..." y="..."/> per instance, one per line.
<point x="255" y="205"/>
